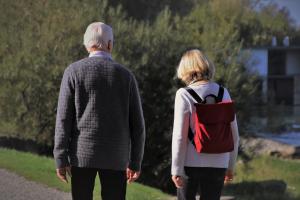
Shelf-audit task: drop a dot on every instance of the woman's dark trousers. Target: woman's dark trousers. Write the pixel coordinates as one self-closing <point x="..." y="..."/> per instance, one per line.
<point x="206" y="181"/>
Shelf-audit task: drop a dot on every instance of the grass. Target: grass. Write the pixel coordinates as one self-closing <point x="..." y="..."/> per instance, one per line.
<point x="252" y="177"/>
<point x="42" y="169"/>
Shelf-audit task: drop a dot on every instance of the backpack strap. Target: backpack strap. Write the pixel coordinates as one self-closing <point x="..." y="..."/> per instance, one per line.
<point x="191" y="137"/>
<point x="220" y="94"/>
<point x="198" y="99"/>
<point x="194" y="94"/>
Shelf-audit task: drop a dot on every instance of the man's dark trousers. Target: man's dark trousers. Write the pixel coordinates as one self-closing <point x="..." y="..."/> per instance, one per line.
<point x="113" y="183"/>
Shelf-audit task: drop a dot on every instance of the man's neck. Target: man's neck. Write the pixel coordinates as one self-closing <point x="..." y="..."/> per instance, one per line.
<point x="98" y="53"/>
<point x="91" y="50"/>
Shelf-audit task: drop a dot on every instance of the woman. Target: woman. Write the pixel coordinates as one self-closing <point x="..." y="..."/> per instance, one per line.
<point x="192" y="170"/>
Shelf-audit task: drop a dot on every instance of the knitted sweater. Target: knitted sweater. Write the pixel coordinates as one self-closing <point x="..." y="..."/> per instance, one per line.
<point x="99" y="121"/>
<point x="183" y="151"/>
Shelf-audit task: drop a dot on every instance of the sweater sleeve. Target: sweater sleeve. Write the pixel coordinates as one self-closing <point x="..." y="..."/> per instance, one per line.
<point x="64" y="120"/>
<point x="235" y="135"/>
<point x="180" y="133"/>
<point x="137" y="127"/>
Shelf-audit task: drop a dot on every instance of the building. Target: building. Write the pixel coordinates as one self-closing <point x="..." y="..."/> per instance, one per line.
<point x="279" y="70"/>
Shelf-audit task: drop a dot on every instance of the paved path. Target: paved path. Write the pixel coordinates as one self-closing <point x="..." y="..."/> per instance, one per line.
<point x="14" y="187"/>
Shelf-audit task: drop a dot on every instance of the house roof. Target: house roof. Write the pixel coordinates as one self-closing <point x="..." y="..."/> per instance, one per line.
<point x="288" y="48"/>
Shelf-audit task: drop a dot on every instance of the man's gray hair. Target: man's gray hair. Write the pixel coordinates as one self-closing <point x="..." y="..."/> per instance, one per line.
<point x="98" y="35"/>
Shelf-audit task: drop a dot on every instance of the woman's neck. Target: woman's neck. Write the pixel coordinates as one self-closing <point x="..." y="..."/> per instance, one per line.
<point x="199" y="82"/>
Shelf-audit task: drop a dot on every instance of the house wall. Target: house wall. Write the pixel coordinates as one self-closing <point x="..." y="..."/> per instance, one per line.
<point x="293" y="63"/>
<point x="297" y="90"/>
<point x="258" y="63"/>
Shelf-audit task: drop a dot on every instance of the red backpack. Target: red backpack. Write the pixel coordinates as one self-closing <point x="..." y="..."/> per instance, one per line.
<point x="212" y="124"/>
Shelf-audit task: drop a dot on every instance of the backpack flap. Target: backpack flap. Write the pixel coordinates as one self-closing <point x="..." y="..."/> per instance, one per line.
<point x="212" y="127"/>
<point x="215" y="113"/>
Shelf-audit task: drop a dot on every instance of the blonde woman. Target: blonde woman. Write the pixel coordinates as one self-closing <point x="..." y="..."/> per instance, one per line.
<point x="192" y="170"/>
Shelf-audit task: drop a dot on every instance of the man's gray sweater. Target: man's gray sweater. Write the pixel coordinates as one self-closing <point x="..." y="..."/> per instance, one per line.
<point x="99" y="121"/>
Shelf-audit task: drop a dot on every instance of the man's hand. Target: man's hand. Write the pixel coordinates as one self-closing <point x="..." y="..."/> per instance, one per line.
<point x="132" y="175"/>
<point x="178" y="181"/>
<point x="62" y="173"/>
<point x="228" y="176"/>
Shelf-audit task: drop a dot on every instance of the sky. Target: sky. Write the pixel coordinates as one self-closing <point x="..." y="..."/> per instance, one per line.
<point x="292" y="5"/>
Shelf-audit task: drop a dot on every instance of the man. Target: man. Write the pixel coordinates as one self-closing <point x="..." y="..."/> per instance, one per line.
<point x="99" y="124"/>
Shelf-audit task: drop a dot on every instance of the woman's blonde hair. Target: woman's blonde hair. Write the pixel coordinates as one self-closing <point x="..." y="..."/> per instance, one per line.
<point x="195" y="66"/>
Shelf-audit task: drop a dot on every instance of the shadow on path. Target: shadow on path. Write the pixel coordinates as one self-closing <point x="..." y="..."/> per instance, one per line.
<point x="259" y="190"/>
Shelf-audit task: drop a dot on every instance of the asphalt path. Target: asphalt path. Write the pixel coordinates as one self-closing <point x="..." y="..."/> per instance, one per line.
<point x="14" y="187"/>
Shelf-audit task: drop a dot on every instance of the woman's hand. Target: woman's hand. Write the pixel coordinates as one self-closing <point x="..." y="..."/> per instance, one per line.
<point x="228" y="176"/>
<point x="132" y="175"/>
<point x="178" y="181"/>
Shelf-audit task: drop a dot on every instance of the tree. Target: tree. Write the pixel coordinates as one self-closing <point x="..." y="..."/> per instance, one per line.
<point x="39" y="40"/>
<point x="149" y="10"/>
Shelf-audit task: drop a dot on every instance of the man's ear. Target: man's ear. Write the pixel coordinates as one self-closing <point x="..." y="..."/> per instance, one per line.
<point x="88" y="49"/>
<point x="110" y="46"/>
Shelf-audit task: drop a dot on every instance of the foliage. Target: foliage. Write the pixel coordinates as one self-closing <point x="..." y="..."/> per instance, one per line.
<point x="35" y="49"/>
<point x="149" y="10"/>
<point x="41" y="170"/>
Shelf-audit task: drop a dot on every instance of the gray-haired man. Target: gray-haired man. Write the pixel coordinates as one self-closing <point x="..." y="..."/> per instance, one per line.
<point x="99" y="124"/>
